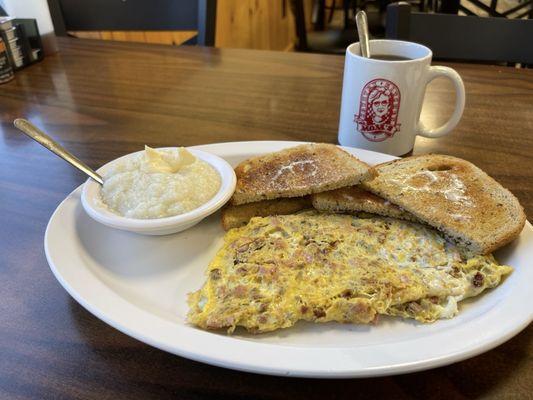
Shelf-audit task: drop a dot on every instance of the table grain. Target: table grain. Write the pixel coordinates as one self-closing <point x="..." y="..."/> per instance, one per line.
<point x="103" y="100"/>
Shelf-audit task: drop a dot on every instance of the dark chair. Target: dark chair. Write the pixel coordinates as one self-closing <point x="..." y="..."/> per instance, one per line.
<point x="465" y="38"/>
<point x="330" y="41"/>
<point x="136" y="15"/>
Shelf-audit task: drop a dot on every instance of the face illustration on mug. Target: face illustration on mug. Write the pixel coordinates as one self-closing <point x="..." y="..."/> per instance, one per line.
<point x="380" y="107"/>
<point x="378" y="110"/>
<point x="382" y="98"/>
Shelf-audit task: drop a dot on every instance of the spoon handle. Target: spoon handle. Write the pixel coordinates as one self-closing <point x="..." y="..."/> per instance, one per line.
<point x="362" y="31"/>
<point x="39" y="136"/>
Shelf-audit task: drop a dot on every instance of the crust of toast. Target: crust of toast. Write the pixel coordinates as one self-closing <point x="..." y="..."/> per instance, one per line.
<point x="354" y="199"/>
<point x="296" y="172"/>
<point x="454" y="196"/>
<point x="237" y="216"/>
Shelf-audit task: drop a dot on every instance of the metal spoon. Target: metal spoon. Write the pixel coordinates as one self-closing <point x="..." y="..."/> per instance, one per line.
<point x="39" y="136"/>
<point x="362" y="31"/>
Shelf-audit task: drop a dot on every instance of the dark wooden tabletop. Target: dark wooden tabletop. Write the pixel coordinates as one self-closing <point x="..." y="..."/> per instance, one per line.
<point x="102" y="100"/>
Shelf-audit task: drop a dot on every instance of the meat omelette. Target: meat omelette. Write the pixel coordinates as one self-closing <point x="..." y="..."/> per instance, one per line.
<point x="322" y="267"/>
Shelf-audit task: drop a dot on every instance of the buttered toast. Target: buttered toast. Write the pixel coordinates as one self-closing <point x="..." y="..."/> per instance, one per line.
<point x="353" y="199"/>
<point x="237" y="216"/>
<point x="297" y="171"/>
<point x="454" y="196"/>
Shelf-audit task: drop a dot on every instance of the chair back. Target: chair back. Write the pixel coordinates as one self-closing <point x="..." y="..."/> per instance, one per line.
<point x="466" y="38"/>
<point x="135" y="15"/>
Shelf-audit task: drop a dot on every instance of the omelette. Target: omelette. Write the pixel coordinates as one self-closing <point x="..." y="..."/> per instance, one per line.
<point x="316" y="267"/>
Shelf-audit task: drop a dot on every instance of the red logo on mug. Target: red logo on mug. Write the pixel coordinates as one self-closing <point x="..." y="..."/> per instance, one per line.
<point x="378" y="110"/>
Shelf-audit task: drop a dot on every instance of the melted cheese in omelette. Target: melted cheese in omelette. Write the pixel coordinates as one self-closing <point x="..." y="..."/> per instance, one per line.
<point x="321" y="267"/>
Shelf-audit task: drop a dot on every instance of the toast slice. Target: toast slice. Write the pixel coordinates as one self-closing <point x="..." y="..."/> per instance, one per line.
<point x="296" y="172"/>
<point x="454" y="196"/>
<point x="353" y="199"/>
<point x="237" y="216"/>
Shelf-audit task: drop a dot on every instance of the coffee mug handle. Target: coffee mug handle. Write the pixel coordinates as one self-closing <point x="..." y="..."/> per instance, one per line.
<point x="436" y="72"/>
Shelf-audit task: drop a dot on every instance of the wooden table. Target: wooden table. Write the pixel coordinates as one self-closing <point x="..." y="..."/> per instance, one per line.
<point x="103" y="100"/>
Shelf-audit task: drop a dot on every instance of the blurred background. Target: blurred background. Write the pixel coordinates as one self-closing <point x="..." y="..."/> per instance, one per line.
<point x="468" y="30"/>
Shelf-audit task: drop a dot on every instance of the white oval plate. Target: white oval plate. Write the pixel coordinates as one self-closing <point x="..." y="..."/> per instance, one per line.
<point x="138" y="284"/>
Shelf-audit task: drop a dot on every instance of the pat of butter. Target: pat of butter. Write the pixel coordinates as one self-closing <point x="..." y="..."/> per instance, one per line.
<point x="170" y="162"/>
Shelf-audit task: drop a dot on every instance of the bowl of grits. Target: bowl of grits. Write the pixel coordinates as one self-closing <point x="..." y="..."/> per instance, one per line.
<point x="159" y="191"/>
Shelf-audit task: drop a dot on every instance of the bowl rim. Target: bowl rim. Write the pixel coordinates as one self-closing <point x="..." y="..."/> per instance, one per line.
<point x="228" y="182"/>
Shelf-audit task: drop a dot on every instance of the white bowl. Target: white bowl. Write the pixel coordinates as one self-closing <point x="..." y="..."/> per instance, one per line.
<point x="91" y="200"/>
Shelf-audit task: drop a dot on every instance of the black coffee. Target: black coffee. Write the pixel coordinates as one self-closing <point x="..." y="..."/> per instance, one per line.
<point x="388" y="57"/>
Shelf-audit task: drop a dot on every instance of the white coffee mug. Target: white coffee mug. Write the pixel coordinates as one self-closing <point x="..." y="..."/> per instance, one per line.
<point x="382" y="99"/>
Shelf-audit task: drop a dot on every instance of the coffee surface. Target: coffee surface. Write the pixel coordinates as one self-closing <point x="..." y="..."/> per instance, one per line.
<point x="389" y="57"/>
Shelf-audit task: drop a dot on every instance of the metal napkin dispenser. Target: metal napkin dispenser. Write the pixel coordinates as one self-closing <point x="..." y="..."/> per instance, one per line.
<point x="22" y="40"/>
